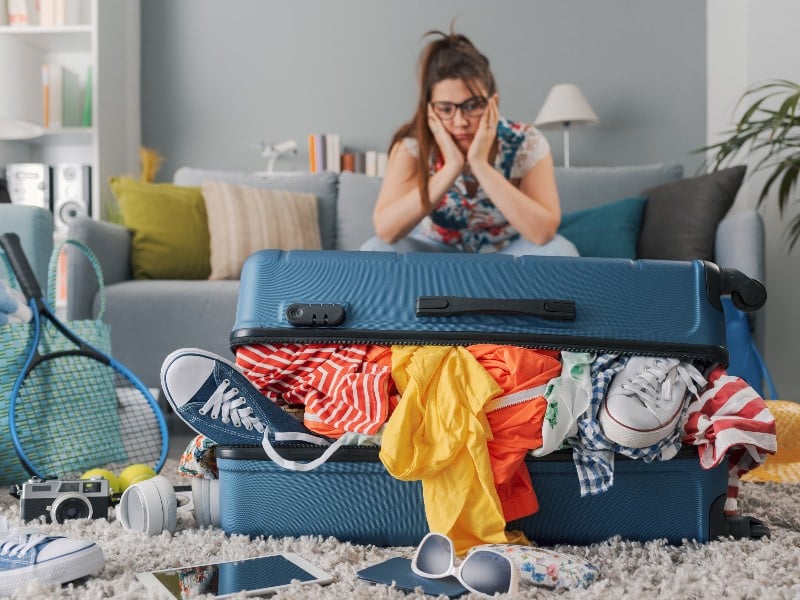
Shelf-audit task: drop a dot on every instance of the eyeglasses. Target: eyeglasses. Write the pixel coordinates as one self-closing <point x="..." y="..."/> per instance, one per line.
<point x="482" y="571"/>
<point x="471" y="107"/>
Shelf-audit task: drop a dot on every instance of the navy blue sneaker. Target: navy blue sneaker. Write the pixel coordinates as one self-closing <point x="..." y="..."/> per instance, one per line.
<point x="28" y="555"/>
<point x="213" y="398"/>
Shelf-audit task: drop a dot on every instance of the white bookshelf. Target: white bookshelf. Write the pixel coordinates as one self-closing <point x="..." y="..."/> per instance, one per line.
<point x="106" y="44"/>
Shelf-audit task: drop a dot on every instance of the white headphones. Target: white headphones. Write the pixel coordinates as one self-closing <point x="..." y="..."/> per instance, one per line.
<point x="151" y="506"/>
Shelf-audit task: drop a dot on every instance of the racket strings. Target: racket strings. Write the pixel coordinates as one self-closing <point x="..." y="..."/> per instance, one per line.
<point x="74" y="413"/>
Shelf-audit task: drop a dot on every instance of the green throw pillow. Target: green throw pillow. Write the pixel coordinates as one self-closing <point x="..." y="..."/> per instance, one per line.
<point x="609" y="230"/>
<point x="170" y="229"/>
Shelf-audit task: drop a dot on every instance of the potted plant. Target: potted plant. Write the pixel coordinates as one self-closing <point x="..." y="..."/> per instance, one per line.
<point x="773" y="134"/>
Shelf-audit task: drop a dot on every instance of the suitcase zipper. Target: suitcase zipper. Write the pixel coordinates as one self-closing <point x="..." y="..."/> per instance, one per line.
<point x="715" y="354"/>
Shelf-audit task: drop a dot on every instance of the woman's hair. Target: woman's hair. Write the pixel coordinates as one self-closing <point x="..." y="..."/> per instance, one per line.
<point x="449" y="56"/>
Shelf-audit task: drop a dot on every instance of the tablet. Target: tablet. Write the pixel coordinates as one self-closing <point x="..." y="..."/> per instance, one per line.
<point x="255" y="576"/>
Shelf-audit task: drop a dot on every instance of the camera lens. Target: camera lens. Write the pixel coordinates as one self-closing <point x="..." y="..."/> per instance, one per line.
<point x="70" y="506"/>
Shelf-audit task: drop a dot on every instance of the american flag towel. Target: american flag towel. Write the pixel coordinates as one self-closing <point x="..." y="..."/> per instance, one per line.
<point x="730" y="419"/>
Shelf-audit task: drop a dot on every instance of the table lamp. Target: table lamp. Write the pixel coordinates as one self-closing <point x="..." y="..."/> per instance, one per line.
<point x="565" y="105"/>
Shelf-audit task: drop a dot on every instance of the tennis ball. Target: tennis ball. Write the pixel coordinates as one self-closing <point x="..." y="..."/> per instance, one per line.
<point x="113" y="481"/>
<point x="134" y="474"/>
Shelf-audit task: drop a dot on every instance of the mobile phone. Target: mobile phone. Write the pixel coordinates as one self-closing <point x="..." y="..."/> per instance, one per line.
<point x="397" y="572"/>
<point x="261" y="575"/>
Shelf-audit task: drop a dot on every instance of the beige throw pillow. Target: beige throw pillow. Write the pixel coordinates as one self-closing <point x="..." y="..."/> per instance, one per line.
<point x="244" y="219"/>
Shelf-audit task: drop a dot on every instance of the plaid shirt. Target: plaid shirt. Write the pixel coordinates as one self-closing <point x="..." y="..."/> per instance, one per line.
<point x="593" y="452"/>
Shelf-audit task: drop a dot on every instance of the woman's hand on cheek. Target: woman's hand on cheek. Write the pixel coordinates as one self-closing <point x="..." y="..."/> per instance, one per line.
<point x="485" y="135"/>
<point x="451" y="154"/>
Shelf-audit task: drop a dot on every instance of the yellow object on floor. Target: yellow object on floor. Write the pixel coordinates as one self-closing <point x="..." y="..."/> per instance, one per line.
<point x="784" y="465"/>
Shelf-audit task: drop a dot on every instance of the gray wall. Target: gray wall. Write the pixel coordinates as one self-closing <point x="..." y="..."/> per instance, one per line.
<point x="219" y="76"/>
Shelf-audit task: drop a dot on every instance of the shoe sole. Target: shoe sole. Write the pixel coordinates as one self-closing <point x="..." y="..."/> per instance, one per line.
<point x="629" y="437"/>
<point x="77" y="565"/>
<point x="168" y="362"/>
<point x="291" y="426"/>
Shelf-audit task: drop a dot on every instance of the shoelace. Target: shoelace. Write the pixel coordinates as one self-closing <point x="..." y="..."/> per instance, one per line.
<point x="226" y="400"/>
<point x="656" y="383"/>
<point x="18" y="543"/>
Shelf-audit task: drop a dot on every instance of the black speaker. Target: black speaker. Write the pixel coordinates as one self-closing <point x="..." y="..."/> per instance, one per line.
<point x="72" y="193"/>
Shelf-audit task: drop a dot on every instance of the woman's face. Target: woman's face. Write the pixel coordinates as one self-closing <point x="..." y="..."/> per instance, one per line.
<point x="462" y="122"/>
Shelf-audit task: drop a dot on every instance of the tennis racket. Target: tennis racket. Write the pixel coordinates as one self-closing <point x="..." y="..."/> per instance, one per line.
<point x="73" y="407"/>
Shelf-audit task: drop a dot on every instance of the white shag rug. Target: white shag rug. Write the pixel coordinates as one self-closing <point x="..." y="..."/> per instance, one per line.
<point x="738" y="569"/>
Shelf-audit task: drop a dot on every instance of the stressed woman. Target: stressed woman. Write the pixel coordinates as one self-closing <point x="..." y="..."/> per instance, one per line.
<point x="462" y="178"/>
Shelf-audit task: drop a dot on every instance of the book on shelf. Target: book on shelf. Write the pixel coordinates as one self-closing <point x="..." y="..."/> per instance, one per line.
<point x="325" y="153"/>
<point x="371" y="163"/>
<point x="319" y="142"/>
<point x="47" y="13"/>
<point x="312" y="153"/>
<point x="22" y="12"/>
<point x="333" y="152"/>
<point x="58" y="13"/>
<point x="86" y="117"/>
<point x="61" y="97"/>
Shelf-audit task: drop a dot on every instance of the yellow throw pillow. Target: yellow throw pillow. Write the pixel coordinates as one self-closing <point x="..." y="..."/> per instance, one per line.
<point x="244" y="219"/>
<point x="170" y="229"/>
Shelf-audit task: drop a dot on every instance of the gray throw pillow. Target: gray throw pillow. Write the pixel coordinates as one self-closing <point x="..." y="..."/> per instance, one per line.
<point x="680" y="219"/>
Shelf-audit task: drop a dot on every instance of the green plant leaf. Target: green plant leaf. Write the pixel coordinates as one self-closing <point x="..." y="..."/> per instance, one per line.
<point x="768" y="132"/>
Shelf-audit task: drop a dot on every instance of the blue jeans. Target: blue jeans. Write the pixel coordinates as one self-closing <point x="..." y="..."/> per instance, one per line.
<point x="418" y="242"/>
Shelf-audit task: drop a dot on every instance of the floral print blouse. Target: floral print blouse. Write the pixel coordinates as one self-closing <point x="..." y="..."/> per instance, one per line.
<point x="471" y="222"/>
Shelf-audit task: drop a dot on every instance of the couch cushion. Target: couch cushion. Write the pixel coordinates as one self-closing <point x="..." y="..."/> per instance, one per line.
<point x="243" y="219"/>
<point x="149" y="319"/>
<point x="323" y="185"/>
<point x="610" y="230"/>
<point x="584" y="187"/>
<point x="358" y="194"/>
<point x="680" y="219"/>
<point x="169" y="227"/>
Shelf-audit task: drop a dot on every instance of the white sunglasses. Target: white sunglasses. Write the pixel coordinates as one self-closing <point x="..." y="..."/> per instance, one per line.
<point x="484" y="572"/>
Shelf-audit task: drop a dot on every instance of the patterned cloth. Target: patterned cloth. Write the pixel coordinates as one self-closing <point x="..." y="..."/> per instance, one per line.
<point x="548" y="568"/>
<point x="593" y="452"/>
<point x="730" y="419"/>
<point x="472" y="223"/>
<point x="199" y="459"/>
<point x="344" y="388"/>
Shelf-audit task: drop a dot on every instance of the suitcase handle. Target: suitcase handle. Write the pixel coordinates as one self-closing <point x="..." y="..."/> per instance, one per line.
<point x="448" y="306"/>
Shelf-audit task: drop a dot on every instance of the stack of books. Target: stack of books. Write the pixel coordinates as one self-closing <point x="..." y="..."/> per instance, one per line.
<point x="45" y="13"/>
<point x="325" y="154"/>
<point x="61" y="98"/>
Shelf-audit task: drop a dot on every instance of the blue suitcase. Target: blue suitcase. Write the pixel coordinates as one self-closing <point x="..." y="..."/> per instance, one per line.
<point x="667" y="308"/>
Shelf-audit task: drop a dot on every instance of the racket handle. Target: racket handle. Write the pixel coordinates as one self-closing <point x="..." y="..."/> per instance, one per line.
<point x="22" y="268"/>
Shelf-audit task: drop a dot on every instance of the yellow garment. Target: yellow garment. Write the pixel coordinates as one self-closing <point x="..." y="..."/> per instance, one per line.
<point x="784" y="465"/>
<point x="438" y="434"/>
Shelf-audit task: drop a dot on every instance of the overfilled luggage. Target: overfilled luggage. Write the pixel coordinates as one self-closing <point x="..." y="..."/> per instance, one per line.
<point x="606" y="309"/>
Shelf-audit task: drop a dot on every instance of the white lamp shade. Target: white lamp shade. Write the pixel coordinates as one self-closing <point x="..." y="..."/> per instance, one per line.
<point x="565" y="104"/>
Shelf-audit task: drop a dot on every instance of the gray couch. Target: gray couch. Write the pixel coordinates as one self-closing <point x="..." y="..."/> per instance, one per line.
<point x="34" y="226"/>
<point x="151" y="318"/>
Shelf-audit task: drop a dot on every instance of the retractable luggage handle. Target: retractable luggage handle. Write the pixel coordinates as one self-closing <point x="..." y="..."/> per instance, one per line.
<point x="448" y="306"/>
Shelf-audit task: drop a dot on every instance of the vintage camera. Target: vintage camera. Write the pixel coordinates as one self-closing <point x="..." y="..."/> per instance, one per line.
<point x="59" y="500"/>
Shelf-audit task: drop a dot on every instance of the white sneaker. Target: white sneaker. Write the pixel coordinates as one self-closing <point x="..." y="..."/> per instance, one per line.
<point x="27" y="554"/>
<point x="645" y="399"/>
